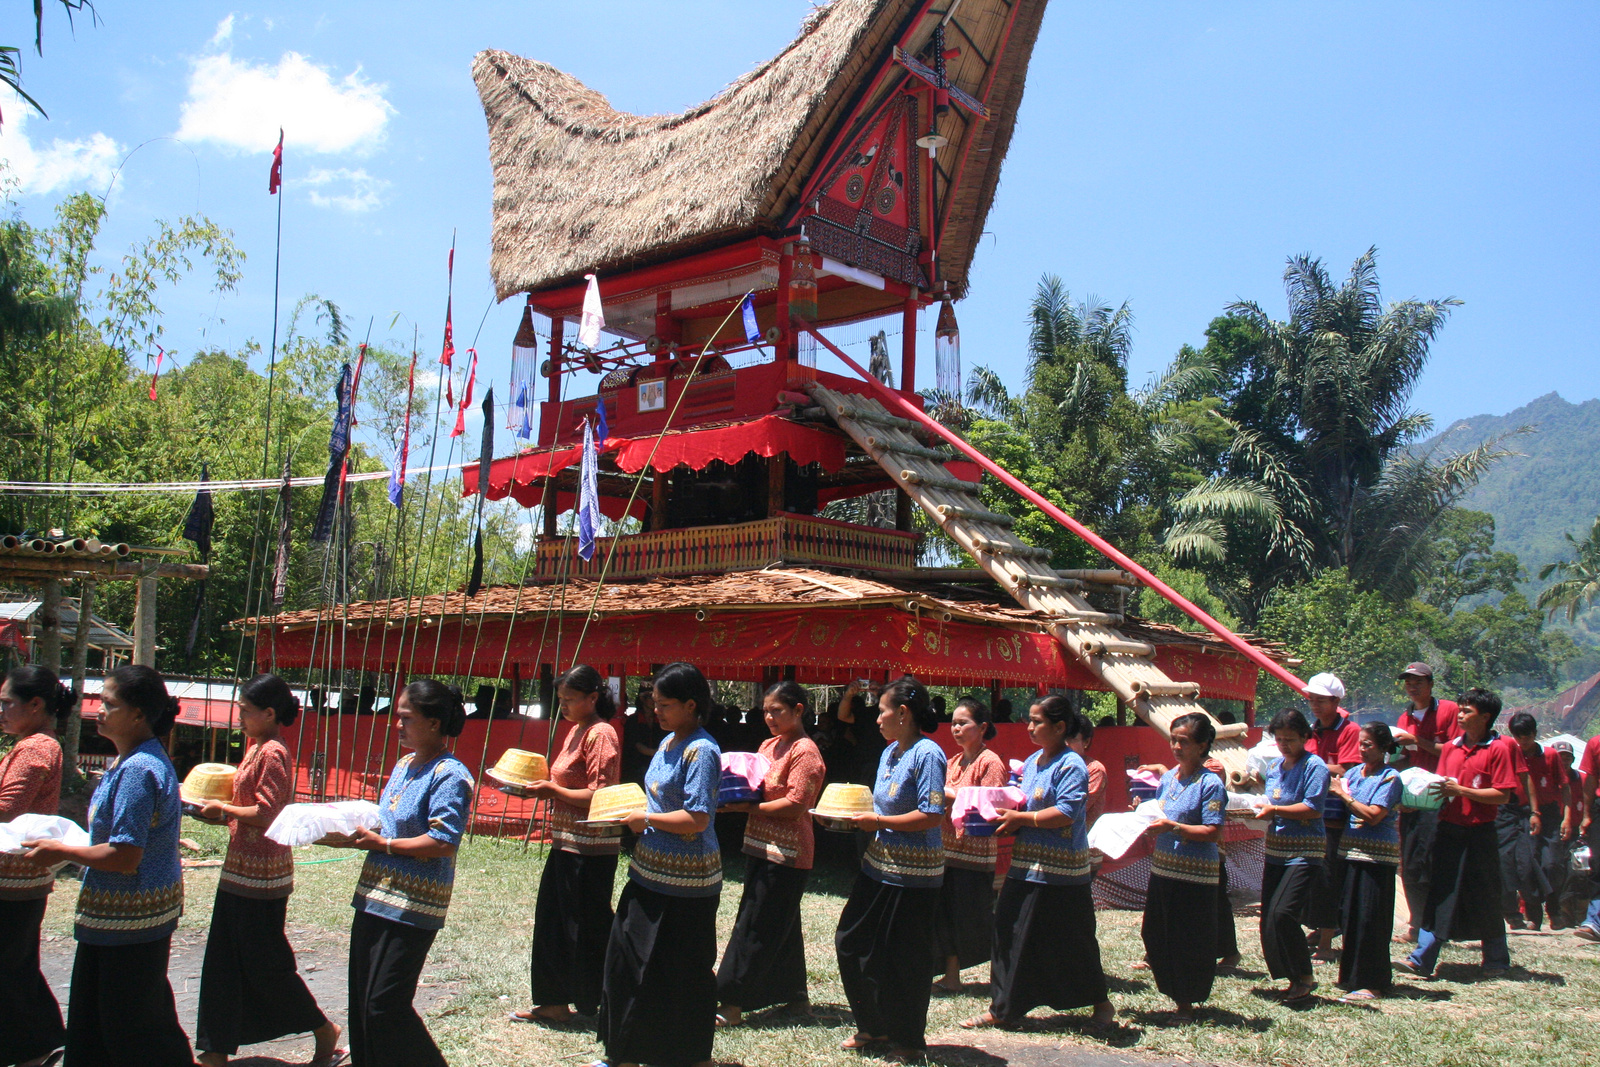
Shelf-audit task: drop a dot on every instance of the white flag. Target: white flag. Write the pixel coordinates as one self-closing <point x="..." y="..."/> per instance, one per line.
<point x="588" y="494"/>
<point x="594" y="316"/>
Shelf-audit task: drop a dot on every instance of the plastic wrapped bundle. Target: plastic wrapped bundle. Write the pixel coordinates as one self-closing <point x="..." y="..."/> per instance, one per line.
<point x="742" y="775"/>
<point x="306" y="824"/>
<point x="1419" y="789"/>
<point x="31" y="827"/>
<point x="975" y="807"/>
<point x="1143" y="785"/>
<point x="1263" y="756"/>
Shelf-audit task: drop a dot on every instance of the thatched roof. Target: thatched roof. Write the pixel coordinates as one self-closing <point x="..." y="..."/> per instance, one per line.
<point x="579" y="186"/>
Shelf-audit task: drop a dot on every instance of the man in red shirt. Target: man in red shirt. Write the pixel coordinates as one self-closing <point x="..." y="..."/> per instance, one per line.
<point x="1464" y="896"/>
<point x="1337" y="740"/>
<point x="1534" y="830"/>
<point x="1589" y="768"/>
<point x="1425" y="725"/>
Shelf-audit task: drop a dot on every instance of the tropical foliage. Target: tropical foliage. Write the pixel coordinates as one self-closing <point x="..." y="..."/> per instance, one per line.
<point x="1579" y="584"/>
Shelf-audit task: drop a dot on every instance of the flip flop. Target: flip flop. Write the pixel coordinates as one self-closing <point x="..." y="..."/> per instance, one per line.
<point x="1358" y="996"/>
<point x="979" y="1022"/>
<point x="339" y="1057"/>
<point x="724" y="1024"/>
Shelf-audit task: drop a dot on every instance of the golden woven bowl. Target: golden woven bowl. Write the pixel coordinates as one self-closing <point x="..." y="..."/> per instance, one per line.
<point x="842" y="800"/>
<point x="208" y="781"/>
<point x="518" y="766"/>
<point x="616" y="802"/>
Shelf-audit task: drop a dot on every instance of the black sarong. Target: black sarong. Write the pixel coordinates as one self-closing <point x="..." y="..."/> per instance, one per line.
<point x="386" y="960"/>
<point x="1180" y="937"/>
<point x="1520" y="874"/>
<point x="571" y="925"/>
<point x="1045" y="950"/>
<point x="1554" y="858"/>
<point x="1327" y="884"/>
<point x="1368" y="926"/>
<point x="120" y="1011"/>
<point x="1417" y="832"/>
<point x="1227" y="932"/>
<point x="659" y="1004"/>
<point x="883" y="931"/>
<point x="30" y="1018"/>
<point x="1464" y="899"/>
<point x="964" y="923"/>
<point x="1286" y="889"/>
<point x="250" y="990"/>
<point x="765" y="961"/>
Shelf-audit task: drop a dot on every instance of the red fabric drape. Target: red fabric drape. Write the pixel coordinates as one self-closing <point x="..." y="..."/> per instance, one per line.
<point x="767" y="436"/>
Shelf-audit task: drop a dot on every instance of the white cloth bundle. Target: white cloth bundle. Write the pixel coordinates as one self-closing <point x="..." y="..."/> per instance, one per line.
<point x="1113" y="834"/>
<point x="30" y="827"/>
<point x="306" y="824"/>
<point x="1264" y="756"/>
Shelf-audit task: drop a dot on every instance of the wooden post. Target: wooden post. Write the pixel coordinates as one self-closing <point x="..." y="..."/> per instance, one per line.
<point x="547" y="695"/>
<point x="902" y="511"/>
<point x="144" y="624"/>
<point x="908" y="345"/>
<point x="788" y="346"/>
<point x="659" y="482"/>
<point x="73" y="728"/>
<point x="777" y="470"/>
<point x="49" y="622"/>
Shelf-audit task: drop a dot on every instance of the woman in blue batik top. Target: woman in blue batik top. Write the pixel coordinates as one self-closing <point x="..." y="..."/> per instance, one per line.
<point x="1296" y="787"/>
<point x="1180" y="909"/>
<point x="885" y="934"/>
<point x="1371" y="850"/>
<point x="406" y="882"/>
<point x="120" y="1009"/>
<point x="659" y="1000"/>
<point x="1046" y="911"/>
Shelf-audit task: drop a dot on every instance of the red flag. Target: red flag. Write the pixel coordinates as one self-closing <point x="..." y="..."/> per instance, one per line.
<point x="160" y="352"/>
<point x="466" y="395"/>
<point x="447" y="357"/>
<point x="275" y="177"/>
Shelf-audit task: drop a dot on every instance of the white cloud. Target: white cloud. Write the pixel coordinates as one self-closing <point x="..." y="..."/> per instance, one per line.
<point x="224" y="33"/>
<point x="345" y="189"/>
<point x="242" y="105"/>
<point x="45" y="168"/>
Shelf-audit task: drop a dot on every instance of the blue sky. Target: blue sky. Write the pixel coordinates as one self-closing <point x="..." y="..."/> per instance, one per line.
<point x="1170" y="155"/>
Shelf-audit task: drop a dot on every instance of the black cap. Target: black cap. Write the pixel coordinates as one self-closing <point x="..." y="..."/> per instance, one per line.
<point x="1417" y="670"/>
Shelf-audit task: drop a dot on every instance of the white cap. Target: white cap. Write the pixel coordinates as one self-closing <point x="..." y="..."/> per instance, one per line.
<point x="1325" y="685"/>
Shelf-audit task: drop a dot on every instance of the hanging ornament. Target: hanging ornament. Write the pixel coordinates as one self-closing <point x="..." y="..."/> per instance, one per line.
<point x="524" y="372"/>
<point x="594" y="315"/>
<point x="947" y="351"/>
<point x="803" y="283"/>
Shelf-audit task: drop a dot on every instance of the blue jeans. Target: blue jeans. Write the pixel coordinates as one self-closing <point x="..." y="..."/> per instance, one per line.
<point x="1496" y="953"/>
<point x="1592" y="919"/>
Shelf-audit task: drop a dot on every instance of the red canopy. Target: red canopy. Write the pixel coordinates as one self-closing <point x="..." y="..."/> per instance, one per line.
<point x="515" y="475"/>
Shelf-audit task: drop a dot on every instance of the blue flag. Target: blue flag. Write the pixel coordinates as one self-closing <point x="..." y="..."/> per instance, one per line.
<point x="601" y="430"/>
<point x="752" y="331"/>
<point x="588" y="494"/>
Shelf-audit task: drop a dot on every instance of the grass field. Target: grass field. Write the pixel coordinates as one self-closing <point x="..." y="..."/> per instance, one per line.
<point x="1546" y="1012"/>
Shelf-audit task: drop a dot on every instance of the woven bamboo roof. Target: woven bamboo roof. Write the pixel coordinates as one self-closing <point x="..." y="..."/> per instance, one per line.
<point x="775" y="589"/>
<point x="580" y="186"/>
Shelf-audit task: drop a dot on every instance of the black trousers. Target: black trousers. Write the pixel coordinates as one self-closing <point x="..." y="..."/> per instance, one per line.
<point x="1327" y="886"/>
<point x="120" y="1012"/>
<point x="1286" y="890"/>
<point x="571" y="925"/>
<point x="1554" y="859"/>
<point x="765" y="961"/>
<point x="386" y="960"/>
<point x="1464" y="898"/>
<point x="1045" y="950"/>
<point x="884" y="932"/>
<point x="250" y="990"/>
<point x="1180" y="937"/>
<point x="1368" y="926"/>
<point x="1418" y="829"/>
<point x="964" y="923"/>
<point x="30" y="1019"/>
<point x="659" y="1005"/>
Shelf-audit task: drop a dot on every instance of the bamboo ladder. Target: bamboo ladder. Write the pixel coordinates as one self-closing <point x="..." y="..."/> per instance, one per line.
<point x="1090" y="636"/>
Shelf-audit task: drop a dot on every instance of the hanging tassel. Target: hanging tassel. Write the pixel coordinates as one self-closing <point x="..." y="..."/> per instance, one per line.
<point x="947" y="351"/>
<point x="524" y="369"/>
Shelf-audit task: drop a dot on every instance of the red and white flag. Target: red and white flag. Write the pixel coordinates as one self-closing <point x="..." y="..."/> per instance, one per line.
<point x="160" y="353"/>
<point x="447" y="357"/>
<point x="466" y="395"/>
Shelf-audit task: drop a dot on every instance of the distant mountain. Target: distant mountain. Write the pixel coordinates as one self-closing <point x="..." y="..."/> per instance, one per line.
<point x="1552" y="488"/>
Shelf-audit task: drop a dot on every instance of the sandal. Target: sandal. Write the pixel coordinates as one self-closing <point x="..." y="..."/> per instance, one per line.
<point x="861" y="1041"/>
<point x="1299" y="994"/>
<point x="723" y="1022"/>
<point x="1358" y="996"/>
<point x="1139" y="965"/>
<point x="979" y="1022"/>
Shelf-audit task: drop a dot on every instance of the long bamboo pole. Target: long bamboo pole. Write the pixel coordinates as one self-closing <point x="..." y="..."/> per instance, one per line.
<point x="903" y="406"/>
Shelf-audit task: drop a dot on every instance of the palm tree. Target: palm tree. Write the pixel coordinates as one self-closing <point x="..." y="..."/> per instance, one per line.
<point x="1340" y="488"/>
<point x="1580" y="578"/>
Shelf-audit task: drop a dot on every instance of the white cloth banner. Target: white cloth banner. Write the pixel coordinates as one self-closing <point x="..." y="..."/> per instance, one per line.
<point x="594" y="315"/>
<point x="1114" y="833"/>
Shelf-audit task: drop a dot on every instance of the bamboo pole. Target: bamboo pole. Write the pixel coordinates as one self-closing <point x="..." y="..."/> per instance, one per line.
<point x="72" y="730"/>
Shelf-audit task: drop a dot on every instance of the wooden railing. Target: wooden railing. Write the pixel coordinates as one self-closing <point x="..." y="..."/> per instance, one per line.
<point x="742" y="547"/>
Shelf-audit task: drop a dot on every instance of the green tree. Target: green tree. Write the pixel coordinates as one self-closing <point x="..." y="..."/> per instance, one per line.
<point x="1317" y="473"/>
<point x="1579" y="586"/>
